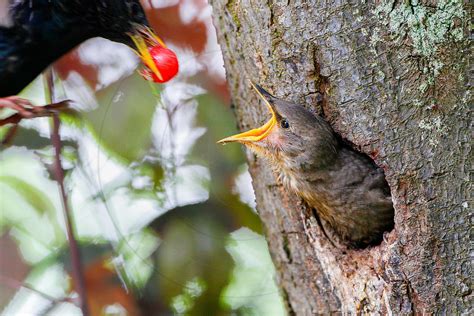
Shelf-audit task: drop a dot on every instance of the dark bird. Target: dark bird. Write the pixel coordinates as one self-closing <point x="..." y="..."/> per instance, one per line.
<point x="345" y="187"/>
<point x="34" y="33"/>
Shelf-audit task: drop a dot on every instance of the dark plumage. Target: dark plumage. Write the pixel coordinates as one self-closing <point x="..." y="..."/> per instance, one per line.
<point x="344" y="186"/>
<point x="43" y="30"/>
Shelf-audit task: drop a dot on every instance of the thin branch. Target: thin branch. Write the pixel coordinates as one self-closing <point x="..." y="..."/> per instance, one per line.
<point x="9" y="135"/>
<point x="77" y="268"/>
<point x="37" y="111"/>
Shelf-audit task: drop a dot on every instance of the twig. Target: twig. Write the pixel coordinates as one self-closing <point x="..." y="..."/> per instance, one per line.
<point x="9" y="135"/>
<point x="25" y="110"/>
<point x="37" y="111"/>
<point x="77" y="268"/>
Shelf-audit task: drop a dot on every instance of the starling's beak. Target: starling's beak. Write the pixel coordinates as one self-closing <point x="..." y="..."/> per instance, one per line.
<point x="144" y="38"/>
<point x="262" y="132"/>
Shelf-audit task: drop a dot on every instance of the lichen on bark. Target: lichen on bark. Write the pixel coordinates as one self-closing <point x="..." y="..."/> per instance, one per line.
<point x="427" y="28"/>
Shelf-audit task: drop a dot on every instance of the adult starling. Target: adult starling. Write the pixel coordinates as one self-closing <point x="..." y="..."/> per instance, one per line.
<point x="345" y="187"/>
<point x="34" y="33"/>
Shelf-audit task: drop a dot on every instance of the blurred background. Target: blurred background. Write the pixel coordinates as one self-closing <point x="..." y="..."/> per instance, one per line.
<point x="165" y="217"/>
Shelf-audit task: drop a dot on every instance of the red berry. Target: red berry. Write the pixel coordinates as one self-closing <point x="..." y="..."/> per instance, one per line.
<point x="166" y="62"/>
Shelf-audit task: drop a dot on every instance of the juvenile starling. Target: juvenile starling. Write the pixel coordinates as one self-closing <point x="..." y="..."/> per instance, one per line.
<point x="345" y="187"/>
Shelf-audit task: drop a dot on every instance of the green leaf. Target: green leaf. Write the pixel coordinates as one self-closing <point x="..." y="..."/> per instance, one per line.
<point x="31" y="194"/>
<point x="223" y="161"/>
<point x="218" y="118"/>
<point x="122" y="122"/>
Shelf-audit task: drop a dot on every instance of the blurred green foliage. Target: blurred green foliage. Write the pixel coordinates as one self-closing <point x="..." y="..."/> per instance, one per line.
<point x="165" y="256"/>
<point x="29" y="193"/>
<point x="122" y="121"/>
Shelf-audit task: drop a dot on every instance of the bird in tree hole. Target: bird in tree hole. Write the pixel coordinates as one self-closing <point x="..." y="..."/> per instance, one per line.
<point x="345" y="187"/>
<point x="35" y="33"/>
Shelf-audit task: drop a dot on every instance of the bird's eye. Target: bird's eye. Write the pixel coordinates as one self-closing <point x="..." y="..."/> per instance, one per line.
<point x="284" y="123"/>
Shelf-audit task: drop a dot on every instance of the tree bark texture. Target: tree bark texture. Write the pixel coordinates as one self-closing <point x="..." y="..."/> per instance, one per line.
<point x="392" y="78"/>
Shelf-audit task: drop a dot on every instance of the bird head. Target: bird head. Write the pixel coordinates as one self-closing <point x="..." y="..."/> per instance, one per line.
<point x="292" y="138"/>
<point x="115" y="20"/>
<point x="161" y="63"/>
<point x="127" y="22"/>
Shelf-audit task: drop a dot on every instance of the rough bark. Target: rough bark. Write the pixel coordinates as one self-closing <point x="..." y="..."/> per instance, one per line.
<point x="392" y="78"/>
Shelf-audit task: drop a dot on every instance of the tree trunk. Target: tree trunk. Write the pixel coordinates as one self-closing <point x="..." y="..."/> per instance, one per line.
<point x="392" y="79"/>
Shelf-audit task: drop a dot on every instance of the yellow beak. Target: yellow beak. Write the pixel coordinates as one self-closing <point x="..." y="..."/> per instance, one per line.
<point x="143" y="39"/>
<point x="256" y="134"/>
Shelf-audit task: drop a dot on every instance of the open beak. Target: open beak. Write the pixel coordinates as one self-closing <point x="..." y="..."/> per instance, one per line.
<point x="260" y="133"/>
<point x="144" y="38"/>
